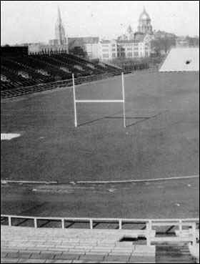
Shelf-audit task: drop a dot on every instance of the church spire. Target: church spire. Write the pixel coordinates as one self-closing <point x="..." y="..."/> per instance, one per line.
<point x="59" y="16"/>
<point x="60" y="31"/>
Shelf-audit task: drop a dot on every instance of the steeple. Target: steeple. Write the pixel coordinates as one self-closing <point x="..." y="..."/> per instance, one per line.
<point x="60" y="31"/>
<point x="130" y="33"/>
<point x="59" y="16"/>
<point x="129" y="29"/>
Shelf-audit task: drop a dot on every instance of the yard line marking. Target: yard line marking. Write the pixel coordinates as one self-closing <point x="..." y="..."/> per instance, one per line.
<point x="142" y="180"/>
<point x="101" y="182"/>
<point x="28" y="182"/>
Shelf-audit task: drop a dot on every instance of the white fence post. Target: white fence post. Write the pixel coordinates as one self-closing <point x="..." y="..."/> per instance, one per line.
<point x="120" y="224"/>
<point x="63" y="223"/>
<point x="91" y="224"/>
<point x="9" y="221"/>
<point x="194" y="234"/>
<point x="180" y="227"/>
<point x="148" y="232"/>
<point x="35" y="222"/>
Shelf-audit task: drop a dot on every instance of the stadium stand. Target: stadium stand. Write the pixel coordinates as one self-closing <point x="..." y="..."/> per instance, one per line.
<point x="44" y="242"/>
<point x="20" y="70"/>
<point x="94" y="246"/>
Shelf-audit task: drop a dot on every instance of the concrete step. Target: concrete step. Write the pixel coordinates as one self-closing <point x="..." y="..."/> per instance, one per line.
<point x="173" y="254"/>
<point x="54" y="245"/>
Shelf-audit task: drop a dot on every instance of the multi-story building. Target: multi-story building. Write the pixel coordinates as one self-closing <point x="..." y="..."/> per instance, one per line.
<point x="129" y="45"/>
<point x="108" y="49"/>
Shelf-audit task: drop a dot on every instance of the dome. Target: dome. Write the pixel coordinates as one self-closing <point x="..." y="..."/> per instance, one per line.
<point x="144" y="15"/>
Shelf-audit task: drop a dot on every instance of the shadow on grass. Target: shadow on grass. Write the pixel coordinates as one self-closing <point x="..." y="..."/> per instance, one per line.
<point x="141" y="119"/>
<point x="117" y="117"/>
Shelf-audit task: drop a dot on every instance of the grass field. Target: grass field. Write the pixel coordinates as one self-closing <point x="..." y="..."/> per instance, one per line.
<point x="161" y="138"/>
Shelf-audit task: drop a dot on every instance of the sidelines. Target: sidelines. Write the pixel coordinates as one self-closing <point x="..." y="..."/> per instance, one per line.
<point x="142" y="180"/>
<point x="101" y="182"/>
<point x="75" y="101"/>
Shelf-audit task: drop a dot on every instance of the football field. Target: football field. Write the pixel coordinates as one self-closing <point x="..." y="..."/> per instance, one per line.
<point x="161" y="140"/>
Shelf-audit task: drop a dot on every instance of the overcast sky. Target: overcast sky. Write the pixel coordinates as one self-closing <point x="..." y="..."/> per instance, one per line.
<point x="34" y="21"/>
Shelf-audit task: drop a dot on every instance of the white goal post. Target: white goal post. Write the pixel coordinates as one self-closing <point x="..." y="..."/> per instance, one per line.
<point x="98" y="101"/>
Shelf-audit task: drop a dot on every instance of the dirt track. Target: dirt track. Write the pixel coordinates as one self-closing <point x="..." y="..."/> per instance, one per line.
<point x="171" y="199"/>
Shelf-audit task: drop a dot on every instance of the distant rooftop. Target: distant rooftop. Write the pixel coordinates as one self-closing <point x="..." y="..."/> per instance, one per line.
<point x="181" y="59"/>
<point x="85" y="40"/>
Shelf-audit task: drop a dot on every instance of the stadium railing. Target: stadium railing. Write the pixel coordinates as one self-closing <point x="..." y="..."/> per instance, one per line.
<point x="188" y="229"/>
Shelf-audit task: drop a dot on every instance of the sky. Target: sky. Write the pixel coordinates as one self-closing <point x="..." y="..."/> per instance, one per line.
<point x="34" y="21"/>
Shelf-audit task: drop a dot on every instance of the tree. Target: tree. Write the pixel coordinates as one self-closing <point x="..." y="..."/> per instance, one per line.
<point x="78" y="51"/>
<point x="163" y="44"/>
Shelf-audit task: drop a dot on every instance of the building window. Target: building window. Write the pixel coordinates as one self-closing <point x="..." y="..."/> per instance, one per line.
<point x="105" y="45"/>
<point x="105" y="50"/>
<point x="129" y="54"/>
<point x="129" y="49"/>
<point x="136" y="54"/>
<point x="105" y="56"/>
<point x="114" y="55"/>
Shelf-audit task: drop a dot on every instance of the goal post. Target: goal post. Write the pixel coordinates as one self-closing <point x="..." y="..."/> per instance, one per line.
<point x="123" y="99"/>
<point x="75" y="101"/>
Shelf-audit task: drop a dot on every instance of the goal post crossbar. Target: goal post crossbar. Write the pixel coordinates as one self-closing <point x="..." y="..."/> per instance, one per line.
<point x="75" y="101"/>
<point x="99" y="101"/>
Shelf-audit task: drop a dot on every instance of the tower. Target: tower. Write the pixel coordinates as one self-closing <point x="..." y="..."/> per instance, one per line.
<point x="60" y="31"/>
<point x="130" y="33"/>
<point x="145" y="26"/>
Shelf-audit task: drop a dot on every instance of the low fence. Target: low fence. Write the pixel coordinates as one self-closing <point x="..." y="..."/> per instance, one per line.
<point x="187" y="230"/>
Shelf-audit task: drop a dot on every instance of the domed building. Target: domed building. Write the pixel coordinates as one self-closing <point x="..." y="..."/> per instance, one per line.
<point x="131" y="45"/>
<point x="145" y="26"/>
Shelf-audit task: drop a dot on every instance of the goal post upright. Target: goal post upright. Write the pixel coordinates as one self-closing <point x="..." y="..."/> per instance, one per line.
<point x="74" y="99"/>
<point x="123" y="98"/>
